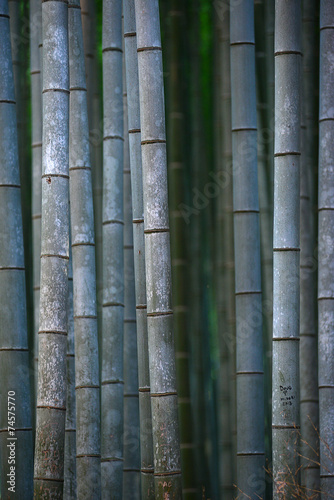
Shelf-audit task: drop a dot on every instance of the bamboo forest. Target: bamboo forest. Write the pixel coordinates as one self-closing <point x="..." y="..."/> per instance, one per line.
<point x="166" y="249"/>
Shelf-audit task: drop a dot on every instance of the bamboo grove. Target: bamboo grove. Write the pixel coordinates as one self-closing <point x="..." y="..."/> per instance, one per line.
<point x="167" y="249"/>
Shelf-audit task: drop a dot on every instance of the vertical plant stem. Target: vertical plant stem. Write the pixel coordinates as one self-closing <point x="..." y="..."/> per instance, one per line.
<point x="70" y="473"/>
<point x="179" y="254"/>
<point x="166" y="444"/>
<point x="84" y="278"/>
<point x="249" y="352"/>
<point x="131" y="66"/>
<point x="131" y="445"/>
<point x="225" y="250"/>
<point x="285" y="395"/>
<point x="113" y="270"/>
<point x="14" y="358"/>
<point x="51" y="397"/>
<point x="309" y="397"/>
<point x="36" y="196"/>
<point x="326" y="248"/>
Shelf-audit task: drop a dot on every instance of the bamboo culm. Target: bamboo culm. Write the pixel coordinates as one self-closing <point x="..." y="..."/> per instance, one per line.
<point x="178" y="232"/>
<point x="131" y="444"/>
<point x="249" y="351"/>
<point x="166" y="444"/>
<point x="51" y="397"/>
<point x="87" y="387"/>
<point x="14" y="359"/>
<point x="225" y="256"/>
<point x="113" y="259"/>
<point x="326" y="249"/>
<point x="70" y="470"/>
<point x="36" y="196"/>
<point x="132" y="83"/>
<point x="286" y="289"/>
<point x="309" y="397"/>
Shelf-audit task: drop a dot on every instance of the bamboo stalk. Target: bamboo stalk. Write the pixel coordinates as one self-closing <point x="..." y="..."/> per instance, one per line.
<point x="88" y="13"/>
<point x="285" y="396"/>
<point x="131" y="445"/>
<point x="51" y="397"/>
<point x="113" y="270"/>
<point x="70" y="473"/>
<point x="326" y="249"/>
<point x="249" y="365"/>
<point x="225" y="265"/>
<point x="179" y="238"/>
<point x="166" y="445"/>
<point x="84" y="278"/>
<point x="309" y="397"/>
<point x="131" y="67"/>
<point x="14" y="358"/>
<point x="36" y="195"/>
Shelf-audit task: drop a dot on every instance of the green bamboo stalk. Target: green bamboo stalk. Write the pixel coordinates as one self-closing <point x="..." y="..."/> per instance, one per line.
<point x="51" y="397"/>
<point x="131" y="445"/>
<point x="70" y="475"/>
<point x="285" y="395"/>
<point x="178" y="232"/>
<point x="36" y="196"/>
<point x="84" y="279"/>
<point x="249" y="364"/>
<point x="326" y="249"/>
<point x="309" y="397"/>
<point x="265" y="175"/>
<point x="166" y="445"/>
<point x="131" y="67"/>
<point x="88" y="8"/>
<point x="19" y="43"/>
<point x="14" y="358"/>
<point x="113" y="274"/>
<point x="225" y="256"/>
<point x="195" y="257"/>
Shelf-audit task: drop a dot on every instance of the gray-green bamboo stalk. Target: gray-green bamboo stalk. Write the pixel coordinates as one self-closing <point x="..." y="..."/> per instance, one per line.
<point x="249" y="352"/>
<point x="179" y="238"/>
<point x="285" y="395"/>
<point x="131" y="67"/>
<point x="20" y="48"/>
<point x="309" y="397"/>
<point x="131" y="444"/>
<point x="87" y="387"/>
<point x="14" y="358"/>
<point x="51" y="397"/>
<point x="36" y="195"/>
<point x="225" y="257"/>
<point x="113" y="260"/>
<point x="70" y="474"/>
<point x="88" y="14"/>
<point x="166" y="444"/>
<point x="326" y="249"/>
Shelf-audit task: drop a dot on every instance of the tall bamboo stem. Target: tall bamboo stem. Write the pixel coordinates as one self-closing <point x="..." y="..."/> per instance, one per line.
<point x="36" y="196"/>
<point x="285" y="395"/>
<point x="51" y="397"/>
<point x="326" y="248"/>
<point x="113" y="261"/>
<point x="14" y="359"/>
<point x="309" y="397"/>
<point x="131" y="66"/>
<point x="70" y="473"/>
<point x="131" y="445"/>
<point x="226" y="304"/>
<point x="166" y="444"/>
<point x="179" y="251"/>
<point x="84" y="278"/>
<point x="249" y="365"/>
